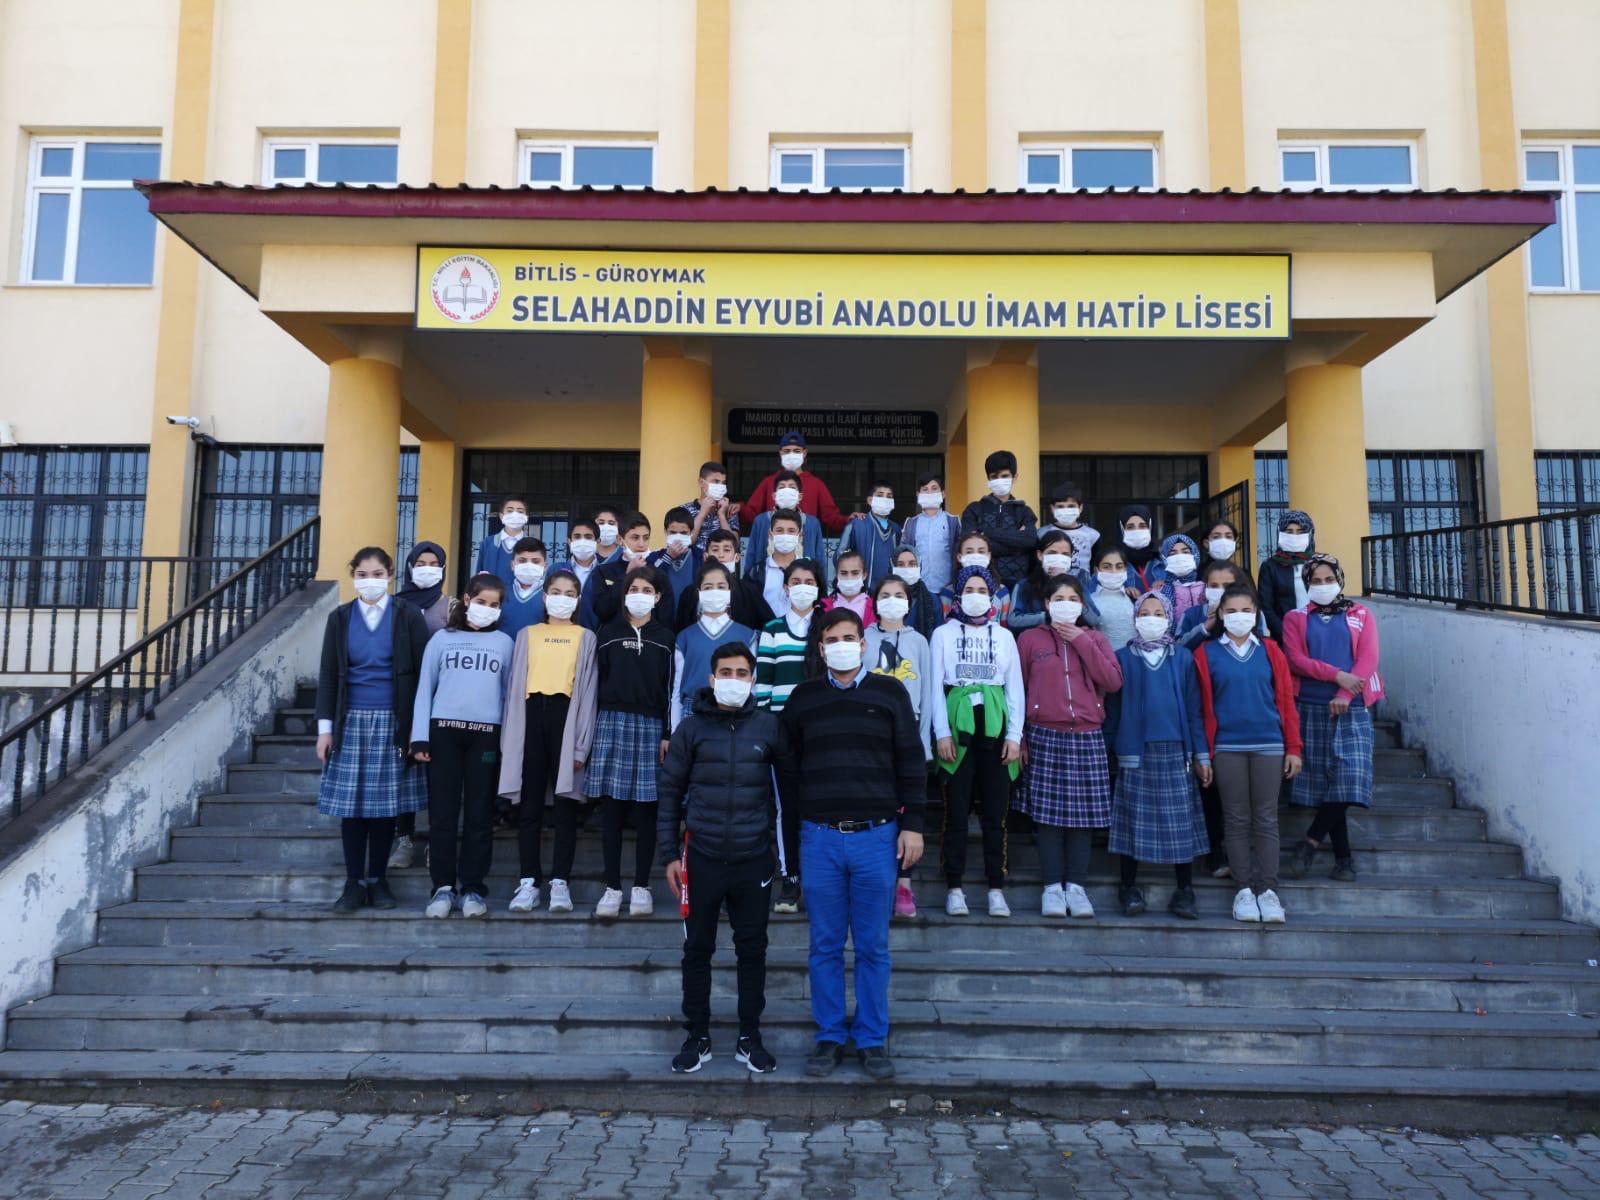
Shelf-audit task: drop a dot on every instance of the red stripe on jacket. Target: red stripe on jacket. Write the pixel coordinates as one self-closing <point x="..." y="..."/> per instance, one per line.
<point x="1283" y="690"/>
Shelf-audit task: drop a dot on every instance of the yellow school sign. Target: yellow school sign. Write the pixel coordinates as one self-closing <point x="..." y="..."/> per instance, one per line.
<point x="1188" y="296"/>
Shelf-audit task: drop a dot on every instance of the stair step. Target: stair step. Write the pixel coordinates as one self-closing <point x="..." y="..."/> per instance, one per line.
<point x="1214" y="935"/>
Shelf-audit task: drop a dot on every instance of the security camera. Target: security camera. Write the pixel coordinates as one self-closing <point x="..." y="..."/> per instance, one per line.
<point x="191" y="422"/>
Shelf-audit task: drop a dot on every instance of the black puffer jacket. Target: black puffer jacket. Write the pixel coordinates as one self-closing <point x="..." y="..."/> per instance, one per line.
<point x="1013" y="535"/>
<point x="717" y="780"/>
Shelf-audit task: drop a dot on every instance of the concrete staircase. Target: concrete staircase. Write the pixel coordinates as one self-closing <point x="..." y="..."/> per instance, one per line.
<point x="1441" y="986"/>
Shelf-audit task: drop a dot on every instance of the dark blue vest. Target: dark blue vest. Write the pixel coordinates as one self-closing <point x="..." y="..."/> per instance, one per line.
<point x="370" y="680"/>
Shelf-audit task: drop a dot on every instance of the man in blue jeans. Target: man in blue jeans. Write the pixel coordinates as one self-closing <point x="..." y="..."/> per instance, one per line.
<point x="858" y="778"/>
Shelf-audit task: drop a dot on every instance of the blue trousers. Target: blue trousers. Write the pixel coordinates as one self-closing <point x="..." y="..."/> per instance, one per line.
<point x="849" y="886"/>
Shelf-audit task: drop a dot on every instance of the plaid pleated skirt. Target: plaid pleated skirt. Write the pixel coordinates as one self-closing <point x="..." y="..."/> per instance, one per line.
<point x="1337" y="757"/>
<point x="622" y="763"/>
<point x="1156" y="815"/>
<point x="1068" y="780"/>
<point x="367" y="776"/>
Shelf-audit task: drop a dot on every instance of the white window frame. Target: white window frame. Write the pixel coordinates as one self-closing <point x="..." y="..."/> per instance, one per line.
<point x="1323" y="145"/>
<point x="312" y="146"/>
<point x="527" y="146"/>
<point x="1063" y="151"/>
<point x="1566" y="194"/>
<point x="72" y="187"/>
<point x="817" y="151"/>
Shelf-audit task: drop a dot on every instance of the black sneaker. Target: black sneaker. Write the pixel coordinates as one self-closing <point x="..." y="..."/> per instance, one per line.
<point x="379" y="894"/>
<point x="1132" y="901"/>
<point x="695" y="1054"/>
<point x="352" y="898"/>
<point x="824" y="1059"/>
<point x="788" y="896"/>
<point x="754" y="1055"/>
<point x="1182" y="904"/>
<point x="1345" y="870"/>
<point x="1300" y="860"/>
<point x="875" y="1061"/>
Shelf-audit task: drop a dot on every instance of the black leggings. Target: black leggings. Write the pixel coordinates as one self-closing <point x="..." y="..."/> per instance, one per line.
<point x="982" y="782"/>
<point x="644" y="832"/>
<point x="544" y="728"/>
<point x="1063" y="854"/>
<point x="367" y="842"/>
<point x="1183" y="872"/>
<point x="1332" y="821"/>
<point x="462" y="776"/>
<point x="405" y="825"/>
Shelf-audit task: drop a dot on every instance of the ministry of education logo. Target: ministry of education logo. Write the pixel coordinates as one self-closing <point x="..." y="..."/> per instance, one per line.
<point x="465" y="288"/>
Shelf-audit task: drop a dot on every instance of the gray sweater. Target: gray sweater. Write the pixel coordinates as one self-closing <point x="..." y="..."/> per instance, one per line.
<point x="463" y="678"/>
<point x="912" y="666"/>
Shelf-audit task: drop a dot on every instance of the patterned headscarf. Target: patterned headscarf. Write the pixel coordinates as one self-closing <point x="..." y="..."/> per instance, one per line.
<point x="1187" y="543"/>
<point x="1295" y="517"/>
<point x="1166" y="639"/>
<point x="957" y="613"/>
<point x="1329" y="561"/>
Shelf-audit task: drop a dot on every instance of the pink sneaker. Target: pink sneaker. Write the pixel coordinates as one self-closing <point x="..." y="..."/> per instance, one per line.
<point x="905" y="904"/>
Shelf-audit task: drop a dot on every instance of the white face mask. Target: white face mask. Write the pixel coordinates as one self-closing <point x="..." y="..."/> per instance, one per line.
<point x="1213" y="598"/>
<point x="583" y="547"/>
<point x="514" y="521"/>
<point x="1000" y="487"/>
<point x="802" y="596"/>
<point x="639" y="604"/>
<point x="976" y="604"/>
<point x="842" y="656"/>
<point x="787" y="497"/>
<point x="1323" y="593"/>
<point x="1151" y="628"/>
<point x="480" y="615"/>
<point x="371" y="589"/>
<point x="851" y="587"/>
<point x="1112" y="581"/>
<point x="732" y="692"/>
<point x="1180" y="564"/>
<point x="1239" y="623"/>
<point x="894" y="608"/>
<point x="1294" y="543"/>
<point x="882" y="506"/>
<point x="786" y="543"/>
<point x="426" y="577"/>
<point x="1066" y="514"/>
<point x="1137" y="538"/>
<point x="930" y="499"/>
<point x="1057" y="564"/>
<point x="792" y="459"/>
<point x="678" y="540"/>
<point x="562" y="607"/>
<point x="528" y="573"/>
<point x="715" y="600"/>
<point x="974" y="560"/>
<point x="1065" y="612"/>
<point x="912" y="575"/>
<point x="716" y="490"/>
<point x="608" y="534"/>
<point x="1222" y="548"/>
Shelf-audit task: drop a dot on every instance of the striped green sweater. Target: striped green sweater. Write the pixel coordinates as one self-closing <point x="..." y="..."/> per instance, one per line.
<point x="780" y="660"/>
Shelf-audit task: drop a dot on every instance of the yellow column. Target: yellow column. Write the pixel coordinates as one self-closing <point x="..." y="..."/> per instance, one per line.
<point x="452" y="62"/>
<point x="969" y="95"/>
<point x="1508" y="455"/>
<point x="1003" y="414"/>
<point x="674" y="428"/>
<point x="360" y="463"/>
<point x="1328" y="459"/>
<point x="1230" y="466"/>
<point x="168" y="493"/>
<point x="1224" y="96"/>
<point x="439" y="500"/>
<point x="710" y="94"/>
<point x="955" y="470"/>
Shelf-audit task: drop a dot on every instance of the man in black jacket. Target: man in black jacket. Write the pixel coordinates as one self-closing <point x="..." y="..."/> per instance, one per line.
<point x="1007" y="522"/>
<point x="718" y="777"/>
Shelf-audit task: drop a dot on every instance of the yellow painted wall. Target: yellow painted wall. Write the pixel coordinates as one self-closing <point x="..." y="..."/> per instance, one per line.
<point x="1566" y="365"/>
<point x="1555" y="86"/>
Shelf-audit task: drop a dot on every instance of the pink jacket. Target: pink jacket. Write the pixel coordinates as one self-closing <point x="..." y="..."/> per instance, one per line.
<point x="1066" y="683"/>
<point x="1363" y="641"/>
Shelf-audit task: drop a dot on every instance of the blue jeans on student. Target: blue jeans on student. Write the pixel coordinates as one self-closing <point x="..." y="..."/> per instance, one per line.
<point x="849" y="885"/>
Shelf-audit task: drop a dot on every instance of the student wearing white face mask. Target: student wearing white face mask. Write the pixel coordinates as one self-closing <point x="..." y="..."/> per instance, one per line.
<point x="494" y="552"/>
<point x="583" y="551"/>
<point x="713" y="627"/>
<point x="455" y="730"/>
<point x="680" y="560"/>
<point x="1108" y="593"/>
<point x="932" y="533"/>
<point x="423" y="586"/>
<point x="608" y="535"/>
<point x="1177" y="575"/>
<point x="524" y="599"/>
<point x="1052" y="562"/>
<point x="850" y="587"/>
<point x="1221" y="542"/>
<point x="811" y="543"/>
<point x="815" y="500"/>
<point x="927" y="610"/>
<point x="712" y="510"/>
<point x="1135" y="538"/>
<point x="1007" y="522"/>
<point x="1281" y="584"/>
<point x="873" y="535"/>
<point x="1066" y="514"/>
<point x="974" y="550"/>
<point x="770" y="570"/>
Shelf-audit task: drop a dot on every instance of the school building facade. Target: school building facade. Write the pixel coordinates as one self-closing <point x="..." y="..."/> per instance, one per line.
<point x="195" y="367"/>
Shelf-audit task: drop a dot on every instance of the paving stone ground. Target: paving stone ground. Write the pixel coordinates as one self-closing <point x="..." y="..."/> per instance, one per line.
<point x="131" y="1152"/>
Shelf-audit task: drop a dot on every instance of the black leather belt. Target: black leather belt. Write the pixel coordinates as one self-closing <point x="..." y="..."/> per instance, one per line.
<point x="853" y="826"/>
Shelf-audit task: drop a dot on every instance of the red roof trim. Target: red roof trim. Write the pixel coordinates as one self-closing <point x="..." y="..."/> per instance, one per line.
<point x="531" y="204"/>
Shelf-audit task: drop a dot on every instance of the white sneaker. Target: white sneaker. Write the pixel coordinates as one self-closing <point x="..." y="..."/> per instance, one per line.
<point x="472" y="905"/>
<point x="1271" y="907"/>
<point x="1054" y="902"/>
<point x="955" y="903"/>
<point x="1245" y="907"/>
<point x="404" y="852"/>
<point x="443" y="901"/>
<point x="997" y="903"/>
<point x="560" y="897"/>
<point x="610" y="904"/>
<point x="1078" y="902"/>
<point x="527" y="897"/>
<point x="641" y="903"/>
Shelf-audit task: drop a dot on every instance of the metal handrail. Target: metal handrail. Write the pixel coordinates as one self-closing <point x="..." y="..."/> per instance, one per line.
<point x="83" y="720"/>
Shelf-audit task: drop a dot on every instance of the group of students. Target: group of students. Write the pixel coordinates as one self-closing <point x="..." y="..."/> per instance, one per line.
<point x="741" y="702"/>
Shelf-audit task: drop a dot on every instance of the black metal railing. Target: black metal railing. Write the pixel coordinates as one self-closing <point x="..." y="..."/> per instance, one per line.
<point x="46" y="746"/>
<point x="1545" y="566"/>
<point x="1233" y="506"/>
